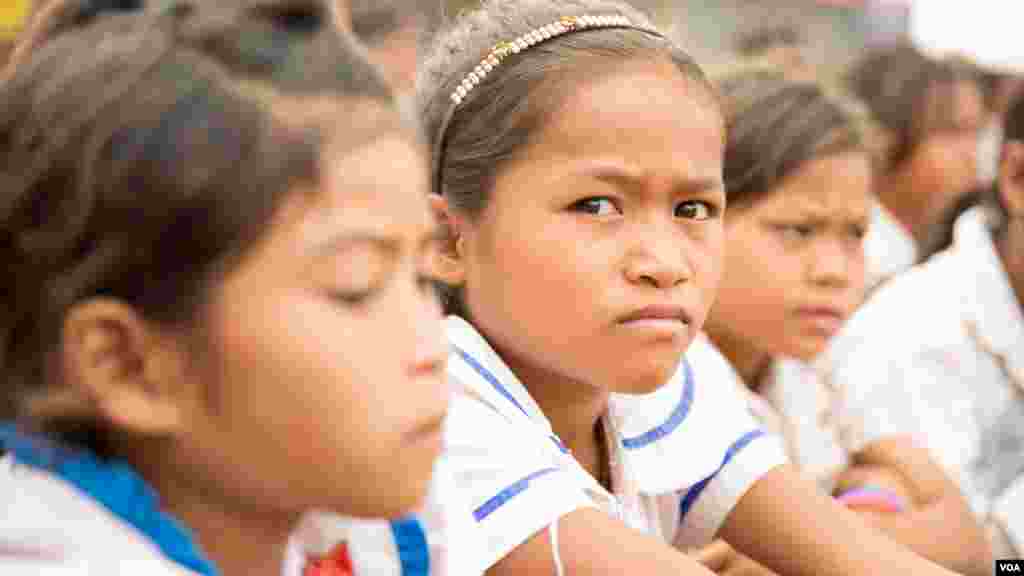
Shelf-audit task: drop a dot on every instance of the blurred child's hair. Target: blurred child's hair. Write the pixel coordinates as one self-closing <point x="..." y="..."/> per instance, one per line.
<point x="754" y="43"/>
<point x="373" y="20"/>
<point x="909" y="95"/>
<point x="987" y="196"/>
<point x="471" y="141"/>
<point x="776" y="125"/>
<point x="142" y="151"/>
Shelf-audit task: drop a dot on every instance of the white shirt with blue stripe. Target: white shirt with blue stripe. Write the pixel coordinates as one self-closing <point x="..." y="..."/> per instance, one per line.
<point x="68" y="512"/>
<point x="681" y="456"/>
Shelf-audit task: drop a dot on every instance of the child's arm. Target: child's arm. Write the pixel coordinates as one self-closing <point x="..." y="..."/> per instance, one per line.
<point x="592" y="543"/>
<point x="783" y="523"/>
<point x="936" y="523"/>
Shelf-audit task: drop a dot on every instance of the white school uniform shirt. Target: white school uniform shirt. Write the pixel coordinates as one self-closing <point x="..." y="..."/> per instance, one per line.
<point x="939" y="354"/>
<point x="681" y="457"/>
<point x="793" y="403"/>
<point x="889" y="249"/>
<point x="51" y="526"/>
<point x="48" y="527"/>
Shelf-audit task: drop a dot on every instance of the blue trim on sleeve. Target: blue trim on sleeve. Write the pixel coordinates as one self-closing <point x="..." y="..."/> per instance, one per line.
<point x="413" y="548"/>
<point x="677" y="417"/>
<point x="691" y="496"/>
<point x="501" y="498"/>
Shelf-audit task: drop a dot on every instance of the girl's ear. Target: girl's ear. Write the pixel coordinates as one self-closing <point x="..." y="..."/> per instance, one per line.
<point x="123" y="367"/>
<point x="1011" y="178"/>
<point x="449" y="265"/>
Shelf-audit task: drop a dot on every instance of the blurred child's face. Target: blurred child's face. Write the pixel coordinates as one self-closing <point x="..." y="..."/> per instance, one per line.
<point x="396" y="54"/>
<point x="795" y="264"/>
<point x="325" y="369"/>
<point x="598" y="254"/>
<point x="944" y="165"/>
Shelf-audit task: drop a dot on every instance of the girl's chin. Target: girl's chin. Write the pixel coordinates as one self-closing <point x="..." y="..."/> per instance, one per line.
<point x="645" y="379"/>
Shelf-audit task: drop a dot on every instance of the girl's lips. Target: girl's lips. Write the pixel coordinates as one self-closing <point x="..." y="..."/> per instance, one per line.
<point x="672" y="314"/>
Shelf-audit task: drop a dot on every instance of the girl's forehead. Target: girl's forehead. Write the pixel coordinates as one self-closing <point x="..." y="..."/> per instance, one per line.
<point x="629" y="94"/>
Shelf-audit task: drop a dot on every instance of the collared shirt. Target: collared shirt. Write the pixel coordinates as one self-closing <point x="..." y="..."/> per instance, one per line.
<point x="794" y="403"/>
<point x="681" y="457"/>
<point x="51" y="527"/>
<point x="69" y="512"/>
<point x="939" y="354"/>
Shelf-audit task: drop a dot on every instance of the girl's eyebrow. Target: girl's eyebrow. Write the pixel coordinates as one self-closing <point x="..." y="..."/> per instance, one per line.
<point x="632" y="177"/>
<point x="349" y="239"/>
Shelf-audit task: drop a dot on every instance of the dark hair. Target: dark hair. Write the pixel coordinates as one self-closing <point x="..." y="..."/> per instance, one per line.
<point x="897" y="84"/>
<point x="374" y="20"/>
<point x="142" y="153"/>
<point x="762" y="40"/>
<point x="774" y="126"/>
<point x="988" y="196"/>
<point x="472" y="141"/>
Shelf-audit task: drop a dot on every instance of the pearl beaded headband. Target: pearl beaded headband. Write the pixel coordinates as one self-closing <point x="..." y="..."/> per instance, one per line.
<point x="501" y="51"/>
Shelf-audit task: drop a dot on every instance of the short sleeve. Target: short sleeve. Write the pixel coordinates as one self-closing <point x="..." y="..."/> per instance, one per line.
<point x="704" y="507"/>
<point x="514" y="485"/>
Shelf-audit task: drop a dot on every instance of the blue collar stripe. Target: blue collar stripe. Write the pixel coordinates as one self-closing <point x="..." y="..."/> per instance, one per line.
<point x="413" y="548"/>
<point x="501" y="498"/>
<point x="695" y="491"/>
<point x="115" y="485"/>
<point x="489" y="377"/>
<point x="679" y="414"/>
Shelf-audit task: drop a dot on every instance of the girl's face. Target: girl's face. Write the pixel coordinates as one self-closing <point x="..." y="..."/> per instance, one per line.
<point x="944" y="165"/>
<point x="795" y="266"/>
<point x="598" y="254"/>
<point x="324" y="368"/>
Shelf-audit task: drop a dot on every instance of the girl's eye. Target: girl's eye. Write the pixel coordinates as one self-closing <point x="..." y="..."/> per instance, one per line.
<point x="429" y="284"/>
<point x="597" y="206"/>
<point x="695" y="210"/>
<point x="858" y="232"/>
<point x="356" y="298"/>
<point x="795" y="231"/>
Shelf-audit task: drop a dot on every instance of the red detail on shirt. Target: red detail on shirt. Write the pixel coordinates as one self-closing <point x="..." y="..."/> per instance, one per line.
<point x="336" y="563"/>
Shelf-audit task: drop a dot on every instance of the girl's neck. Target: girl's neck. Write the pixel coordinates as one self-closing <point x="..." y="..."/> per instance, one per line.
<point x="574" y="409"/>
<point x="237" y="542"/>
<point x="750" y="363"/>
<point x="895" y="195"/>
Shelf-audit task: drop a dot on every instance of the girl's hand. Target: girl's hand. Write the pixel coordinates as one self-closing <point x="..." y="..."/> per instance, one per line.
<point x="722" y="559"/>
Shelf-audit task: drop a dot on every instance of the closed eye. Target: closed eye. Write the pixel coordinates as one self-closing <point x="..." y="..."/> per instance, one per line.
<point x="795" y="231"/>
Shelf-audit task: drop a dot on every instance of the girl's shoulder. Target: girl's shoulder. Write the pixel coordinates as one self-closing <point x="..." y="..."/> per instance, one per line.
<point x="51" y="528"/>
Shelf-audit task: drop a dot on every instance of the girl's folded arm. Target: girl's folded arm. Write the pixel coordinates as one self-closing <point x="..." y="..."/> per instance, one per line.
<point x="784" y="523"/>
<point x="937" y="522"/>
<point x="592" y="543"/>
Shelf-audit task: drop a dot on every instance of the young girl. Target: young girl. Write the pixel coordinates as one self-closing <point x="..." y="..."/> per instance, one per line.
<point x="931" y="112"/>
<point x="955" y="355"/>
<point x="216" y="314"/>
<point x="578" y="154"/>
<point x="798" y="184"/>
